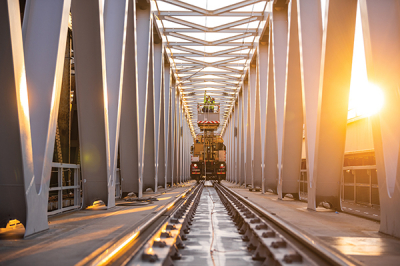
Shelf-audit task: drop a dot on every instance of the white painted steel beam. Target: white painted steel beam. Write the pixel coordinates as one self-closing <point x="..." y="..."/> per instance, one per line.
<point x="91" y="84"/>
<point x="161" y="14"/>
<point x="14" y="118"/>
<point x="172" y="130"/>
<point x="247" y="138"/>
<point x="236" y="143"/>
<point x="167" y="119"/>
<point x="129" y="151"/>
<point x="279" y="43"/>
<point x="115" y="19"/>
<point x="166" y="31"/>
<point x="334" y="97"/>
<point x="178" y="65"/>
<point x="241" y="141"/>
<point x="380" y="22"/>
<point x="262" y="60"/>
<point x="30" y="123"/>
<point x="236" y="55"/>
<point x="235" y="6"/>
<point x="310" y="41"/>
<point x="187" y="6"/>
<point x="238" y="43"/>
<point x="293" y="112"/>
<point x="144" y="31"/>
<point x="252" y="110"/>
<point x="270" y="147"/>
<point x="194" y="86"/>
<point x="159" y="112"/>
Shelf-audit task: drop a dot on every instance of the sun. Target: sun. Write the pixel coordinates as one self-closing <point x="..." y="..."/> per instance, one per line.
<point x="368" y="99"/>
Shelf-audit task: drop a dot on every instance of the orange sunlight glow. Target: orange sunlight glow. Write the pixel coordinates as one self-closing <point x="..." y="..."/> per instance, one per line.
<point x="369" y="99"/>
<point x="23" y="94"/>
<point x="366" y="99"/>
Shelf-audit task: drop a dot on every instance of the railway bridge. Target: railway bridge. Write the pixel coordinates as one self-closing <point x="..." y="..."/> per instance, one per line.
<point x="99" y="110"/>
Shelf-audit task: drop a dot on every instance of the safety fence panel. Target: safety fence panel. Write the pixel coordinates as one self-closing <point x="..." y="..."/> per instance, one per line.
<point x="65" y="191"/>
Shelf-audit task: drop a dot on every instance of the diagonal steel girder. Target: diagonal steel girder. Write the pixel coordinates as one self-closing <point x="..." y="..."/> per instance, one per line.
<point x="218" y="11"/>
<point x="217" y="42"/>
<point x="191" y="72"/>
<point x="192" y="30"/>
<point x="219" y="53"/>
<point x="211" y="29"/>
<point x="259" y="14"/>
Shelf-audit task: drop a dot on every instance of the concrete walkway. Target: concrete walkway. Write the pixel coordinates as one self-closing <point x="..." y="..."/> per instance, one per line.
<point x="355" y="236"/>
<point x="74" y="236"/>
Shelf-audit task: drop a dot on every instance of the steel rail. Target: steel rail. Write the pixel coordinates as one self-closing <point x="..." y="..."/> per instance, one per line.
<point x="330" y="256"/>
<point x="162" y="245"/>
<point x="118" y="248"/>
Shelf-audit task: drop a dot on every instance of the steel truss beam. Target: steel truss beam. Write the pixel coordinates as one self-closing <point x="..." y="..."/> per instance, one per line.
<point x="238" y="43"/>
<point x="238" y="56"/>
<point x="29" y="124"/>
<point x="192" y="30"/>
<point x="227" y="14"/>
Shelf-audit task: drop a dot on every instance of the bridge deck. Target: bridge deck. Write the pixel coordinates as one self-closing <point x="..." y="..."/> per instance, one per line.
<point x="352" y="235"/>
<point x="80" y="236"/>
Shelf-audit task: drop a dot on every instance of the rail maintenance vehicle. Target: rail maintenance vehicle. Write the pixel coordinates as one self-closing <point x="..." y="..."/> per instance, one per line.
<point x="208" y="153"/>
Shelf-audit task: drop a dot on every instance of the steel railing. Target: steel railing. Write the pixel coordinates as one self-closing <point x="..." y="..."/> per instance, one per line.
<point x="68" y="190"/>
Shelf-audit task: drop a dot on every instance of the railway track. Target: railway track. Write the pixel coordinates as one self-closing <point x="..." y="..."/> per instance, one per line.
<point x="217" y="226"/>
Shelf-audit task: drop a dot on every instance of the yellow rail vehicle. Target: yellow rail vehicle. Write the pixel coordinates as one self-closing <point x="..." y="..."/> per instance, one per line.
<point x="208" y="153"/>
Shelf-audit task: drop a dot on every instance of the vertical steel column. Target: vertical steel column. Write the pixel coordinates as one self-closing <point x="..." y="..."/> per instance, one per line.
<point x="182" y="142"/>
<point x="293" y="112"/>
<point x="129" y="148"/>
<point x="184" y="149"/>
<point x="241" y="172"/>
<point x="91" y="86"/>
<point x="337" y="54"/>
<point x="271" y="147"/>
<point x="255" y="122"/>
<point x="172" y="134"/>
<point x="232" y="151"/>
<point x="248" y="162"/>
<point x="179" y="139"/>
<point x="167" y="119"/>
<point x="310" y="41"/>
<point x="158" y="110"/>
<point x="115" y="19"/>
<point x="227" y="147"/>
<point x="29" y="124"/>
<point x="232" y="147"/>
<point x="252" y="110"/>
<point x="229" y="150"/>
<point x="279" y="37"/>
<point x="16" y="167"/>
<point x="381" y="27"/>
<point x="237" y="114"/>
<point x="226" y="141"/>
<point x="145" y="68"/>
<point x="44" y="33"/>
<point x="187" y="150"/>
<point x="262" y="58"/>
<point x="176" y="137"/>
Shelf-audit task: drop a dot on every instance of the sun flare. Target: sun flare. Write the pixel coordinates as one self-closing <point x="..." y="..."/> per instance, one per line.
<point x="368" y="99"/>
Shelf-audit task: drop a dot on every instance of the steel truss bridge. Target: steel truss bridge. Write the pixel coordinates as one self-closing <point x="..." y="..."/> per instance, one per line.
<point x="141" y="67"/>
